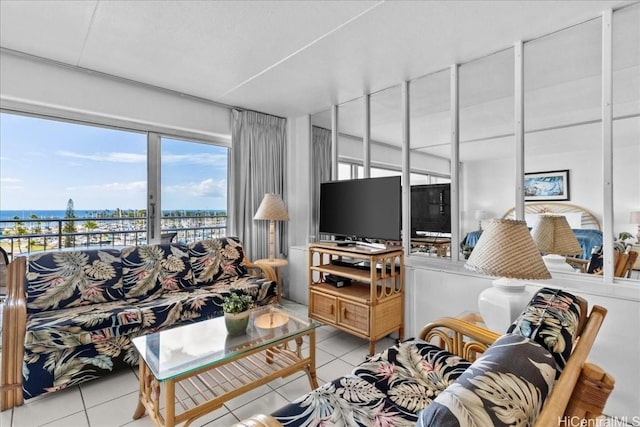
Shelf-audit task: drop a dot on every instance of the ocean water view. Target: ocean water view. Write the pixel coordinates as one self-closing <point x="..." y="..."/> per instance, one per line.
<point x="47" y="229"/>
<point x="6" y="215"/>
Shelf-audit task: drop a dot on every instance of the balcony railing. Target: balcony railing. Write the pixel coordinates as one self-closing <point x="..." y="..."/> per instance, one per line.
<point x="25" y="236"/>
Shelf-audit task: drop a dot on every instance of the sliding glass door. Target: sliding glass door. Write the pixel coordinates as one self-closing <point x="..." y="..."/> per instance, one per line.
<point x="70" y="184"/>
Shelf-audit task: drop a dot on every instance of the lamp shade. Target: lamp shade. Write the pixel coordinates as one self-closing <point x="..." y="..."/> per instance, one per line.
<point x="634" y="218"/>
<point x="506" y="249"/>
<point x="272" y="208"/>
<point x="480" y="215"/>
<point x="553" y="235"/>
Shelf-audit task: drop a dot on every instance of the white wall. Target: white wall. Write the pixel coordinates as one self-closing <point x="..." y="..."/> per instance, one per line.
<point x="298" y="200"/>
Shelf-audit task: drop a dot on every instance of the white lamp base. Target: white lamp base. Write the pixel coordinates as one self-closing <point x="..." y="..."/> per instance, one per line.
<point x="500" y="304"/>
<point x="557" y="263"/>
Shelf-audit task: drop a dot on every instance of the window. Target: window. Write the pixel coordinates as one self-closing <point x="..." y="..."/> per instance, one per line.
<point x="194" y="189"/>
<point x="66" y="184"/>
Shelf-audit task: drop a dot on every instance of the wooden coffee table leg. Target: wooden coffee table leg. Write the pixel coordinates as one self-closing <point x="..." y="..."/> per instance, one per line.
<point x="311" y="368"/>
<point x="170" y="404"/>
<point x="140" y="409"/>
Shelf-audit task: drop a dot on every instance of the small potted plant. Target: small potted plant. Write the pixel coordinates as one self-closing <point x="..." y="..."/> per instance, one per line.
<point x="466" y="251"/>
<point x="236" y="312"/>
<point x="622" y="244"/>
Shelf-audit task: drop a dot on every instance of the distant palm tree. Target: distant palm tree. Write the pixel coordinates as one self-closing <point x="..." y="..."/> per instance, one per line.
<point x="69" y="226"/>
<point x="38" y="227"/>
<point x="19" y="230"/>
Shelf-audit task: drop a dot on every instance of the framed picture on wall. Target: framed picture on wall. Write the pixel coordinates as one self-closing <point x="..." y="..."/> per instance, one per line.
<point x="546" y="186"/>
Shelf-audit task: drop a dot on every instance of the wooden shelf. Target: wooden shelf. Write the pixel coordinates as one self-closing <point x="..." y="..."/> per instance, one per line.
<point x="358" y="292"/>
<point x="371" y="307"/>
<point x="353" y="273"/>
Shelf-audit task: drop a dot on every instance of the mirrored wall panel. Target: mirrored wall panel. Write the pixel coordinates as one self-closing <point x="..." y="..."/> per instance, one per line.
<point x="350" y="131"/>
<point x="626" y="135"/>
<point x="563" y="136"/>
<point x="386" y="132"/>
<point x="487" y="153"/>
<point x="430" y="165"/>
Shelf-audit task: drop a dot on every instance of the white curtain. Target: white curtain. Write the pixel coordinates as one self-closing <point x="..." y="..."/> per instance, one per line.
<point x="258" y="160"/>
<point x="321" y="171"/>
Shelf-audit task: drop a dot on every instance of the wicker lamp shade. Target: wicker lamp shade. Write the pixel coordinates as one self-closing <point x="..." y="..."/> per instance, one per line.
<point x="272" y="208"/>
<point x="506" y="249"/>
<point x="553" y="235"/>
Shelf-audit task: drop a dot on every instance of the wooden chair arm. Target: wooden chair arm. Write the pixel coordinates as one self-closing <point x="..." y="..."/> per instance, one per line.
<point x="15" y="314"/>
<point x="259" y="420"/>
<point x="262" y="269"/>
<point x="459" y="337"/>
<point x="563" y="390"/>
<point x="582" y="264"/>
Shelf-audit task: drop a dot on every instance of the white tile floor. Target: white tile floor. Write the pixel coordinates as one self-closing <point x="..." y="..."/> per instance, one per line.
<point x="110" y="401"/>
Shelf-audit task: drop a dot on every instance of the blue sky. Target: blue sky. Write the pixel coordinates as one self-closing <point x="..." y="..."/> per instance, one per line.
<point x="44" y="163"/>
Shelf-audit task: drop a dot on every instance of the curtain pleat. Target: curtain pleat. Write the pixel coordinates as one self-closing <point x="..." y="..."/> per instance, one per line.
<point x="258" y="163"/>
<point x="321" y="171"/>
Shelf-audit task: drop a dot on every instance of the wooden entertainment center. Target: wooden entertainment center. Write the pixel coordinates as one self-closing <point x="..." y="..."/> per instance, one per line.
<point x="371" y="305"/>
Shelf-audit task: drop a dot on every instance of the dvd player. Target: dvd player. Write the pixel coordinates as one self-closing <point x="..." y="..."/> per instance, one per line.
<point x="337" y="281"/>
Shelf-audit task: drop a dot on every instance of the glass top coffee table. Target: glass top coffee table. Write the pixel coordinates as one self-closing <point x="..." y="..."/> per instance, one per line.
<point x="192" y="370"/>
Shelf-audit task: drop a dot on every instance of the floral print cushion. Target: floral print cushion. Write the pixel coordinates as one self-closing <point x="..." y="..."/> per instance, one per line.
<point x="346" y="401"/>
<point x="57" y="280"/>
<point x="49" y="369"/>
<point x="412" y="373"/>
<point x="553" y="318"/>
<point x="151" y="269"/>
<point x="263" y="291"/>
<point x="216" y="259"/>
<point x="81" y="325"/>
<point x="201" y="303"/>
<point x="498" y="389"/>
<point x="389" y="389"/>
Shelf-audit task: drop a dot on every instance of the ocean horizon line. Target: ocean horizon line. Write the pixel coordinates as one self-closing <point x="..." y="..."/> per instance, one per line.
<point x="9" y="214"/>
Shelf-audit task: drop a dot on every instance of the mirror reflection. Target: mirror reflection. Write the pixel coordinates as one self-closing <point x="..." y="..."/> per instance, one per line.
<point x="563" y="138"/>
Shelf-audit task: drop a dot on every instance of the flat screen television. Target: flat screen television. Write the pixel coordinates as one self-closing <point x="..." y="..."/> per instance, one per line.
<point x="430" y="208"/>
<point x="367" y="208"/>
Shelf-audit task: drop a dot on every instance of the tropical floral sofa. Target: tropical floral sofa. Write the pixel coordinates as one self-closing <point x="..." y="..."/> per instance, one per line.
<point x="419" y="382"/>
<point x="70" y="316"/>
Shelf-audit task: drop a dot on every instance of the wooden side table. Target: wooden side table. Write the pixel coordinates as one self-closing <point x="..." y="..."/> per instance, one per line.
<point x="275" y="263"/>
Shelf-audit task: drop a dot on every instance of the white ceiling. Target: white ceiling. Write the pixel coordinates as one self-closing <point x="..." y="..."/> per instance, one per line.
<point x="286" y="58"/>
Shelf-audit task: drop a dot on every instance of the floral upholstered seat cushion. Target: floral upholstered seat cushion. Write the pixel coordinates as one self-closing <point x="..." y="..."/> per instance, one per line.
<point x="346" y="401"/>
<point x="201" y="303"/>
<point x="553" y="319"/>
<point x="151" y="269"/>
<point x="389" y="389"/>
<point x="506" y="386"/>
<point x="61" y="279"/>
<point x="81" y="325"/>
<point x="216" y="259"/>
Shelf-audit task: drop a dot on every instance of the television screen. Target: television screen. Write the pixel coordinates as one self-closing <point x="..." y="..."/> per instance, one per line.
<point x="362" y="208"/>
<point x="430" y="208"/>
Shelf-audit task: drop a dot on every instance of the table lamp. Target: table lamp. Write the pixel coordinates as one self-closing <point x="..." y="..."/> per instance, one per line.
<point x="505" y="249"/>
<point x="479" y="216"/>
<point x="272" y="209"/>
<point x="634" y="218"/>
<point x="554" y="238"/>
